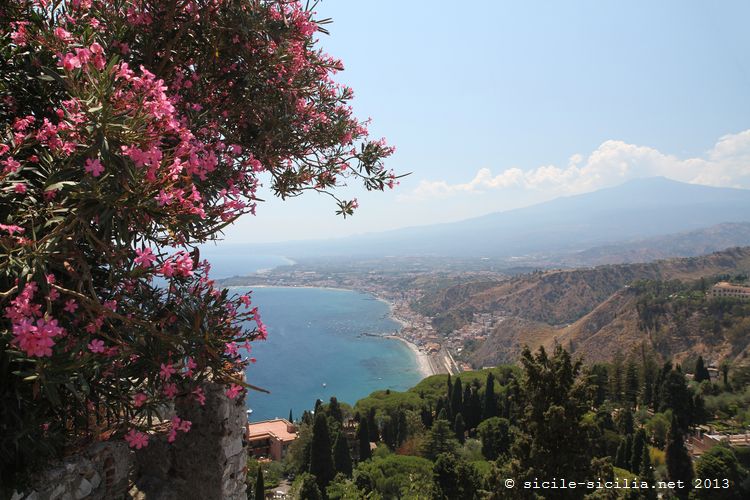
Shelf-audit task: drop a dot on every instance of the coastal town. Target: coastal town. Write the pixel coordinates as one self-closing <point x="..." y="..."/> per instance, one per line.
<point x="435" y="353"/>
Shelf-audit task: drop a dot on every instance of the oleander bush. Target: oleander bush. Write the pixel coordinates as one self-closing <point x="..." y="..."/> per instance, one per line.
<point x="130" y="132"/>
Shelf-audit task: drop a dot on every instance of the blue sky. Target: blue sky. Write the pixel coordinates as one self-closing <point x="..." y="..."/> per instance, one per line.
<point x="494" y="105"/>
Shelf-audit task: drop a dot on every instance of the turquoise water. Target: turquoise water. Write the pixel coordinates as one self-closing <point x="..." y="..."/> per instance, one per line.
<point x="314" y="338"/>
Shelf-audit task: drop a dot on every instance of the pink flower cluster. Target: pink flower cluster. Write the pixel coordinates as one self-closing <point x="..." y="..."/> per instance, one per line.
<point x="31" y="332"/>
<point x="180" y="264"/>
<point x="136" y="439"/>
<point x="156" y="149"/>
<point x="177" y="424"/>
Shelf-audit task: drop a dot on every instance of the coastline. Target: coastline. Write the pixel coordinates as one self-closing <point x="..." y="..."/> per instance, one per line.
<point x="427" y="364"/>
<point x="424" y="361"/>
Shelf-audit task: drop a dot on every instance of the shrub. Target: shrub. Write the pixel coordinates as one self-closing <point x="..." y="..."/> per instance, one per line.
<point x="130" y="132"/>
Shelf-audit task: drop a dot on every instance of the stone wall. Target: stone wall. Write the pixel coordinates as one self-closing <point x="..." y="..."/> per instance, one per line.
<point x="101" y="472"/>
<point x="207" y="463"/>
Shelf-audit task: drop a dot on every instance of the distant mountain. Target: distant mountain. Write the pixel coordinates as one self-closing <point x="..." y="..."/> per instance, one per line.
<point x="684" y="244"/>
<point x="639" y="209"/>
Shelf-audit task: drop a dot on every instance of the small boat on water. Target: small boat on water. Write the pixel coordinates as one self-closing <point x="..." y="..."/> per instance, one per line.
<point x="325" y="385"/>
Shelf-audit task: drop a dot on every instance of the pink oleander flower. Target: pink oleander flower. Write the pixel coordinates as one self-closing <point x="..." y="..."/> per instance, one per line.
<point x="166" y="371"/>
<point x="136" y="439"/>
<point x="190" y="365"/>
<point x="233" y="391"/>
<point x="177" y="424"/>
<point x="70" y="62"/>
<point x="94" y="167"/>
<point x="96" y="346"/>
<point x="199" y="396"/>
<point x="62" y="34"/>
<point x="170" y="390"/>
<point x="11" y="165"/>
<point x="20" y="188"/>
<point x="145" y="257"/>
<point x="36" y="338"/>
<point x="11" y="229"/>
<point x="70" y="306"/>
<point x="139" y="399"/>
<point x="231" y="349"/>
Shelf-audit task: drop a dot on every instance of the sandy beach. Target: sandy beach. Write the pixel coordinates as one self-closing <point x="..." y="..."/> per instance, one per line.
<point x="425" y="363"/>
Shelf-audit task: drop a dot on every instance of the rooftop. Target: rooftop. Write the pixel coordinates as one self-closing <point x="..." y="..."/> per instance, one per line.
<point x="279" y="428"/>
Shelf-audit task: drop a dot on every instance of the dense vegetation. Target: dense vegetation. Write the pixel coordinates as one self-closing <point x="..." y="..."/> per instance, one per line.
<point x="682" y="308"/>
<point x="131" y="132"/>
<point x="461" y="437"/>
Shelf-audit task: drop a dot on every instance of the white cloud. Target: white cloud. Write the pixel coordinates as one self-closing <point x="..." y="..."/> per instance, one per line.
<point x="727" y="163"/>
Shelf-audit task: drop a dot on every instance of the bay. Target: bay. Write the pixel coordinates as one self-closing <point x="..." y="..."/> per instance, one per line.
<point x="316" y="349"/>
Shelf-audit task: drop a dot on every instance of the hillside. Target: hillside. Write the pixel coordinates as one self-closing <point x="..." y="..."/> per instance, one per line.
<point x="594" y="309"/>
<point x="560" y="297"/>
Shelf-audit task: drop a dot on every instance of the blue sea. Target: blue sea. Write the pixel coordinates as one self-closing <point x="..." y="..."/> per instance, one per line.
<point x="234" y="260"/>
<point x="315" y="350"/>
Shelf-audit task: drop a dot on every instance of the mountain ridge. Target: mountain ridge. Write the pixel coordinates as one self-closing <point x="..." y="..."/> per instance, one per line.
<point x="637" y="209"/>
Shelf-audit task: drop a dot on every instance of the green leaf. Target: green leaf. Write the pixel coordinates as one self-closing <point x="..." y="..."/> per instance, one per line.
<point x="60" y="185"/>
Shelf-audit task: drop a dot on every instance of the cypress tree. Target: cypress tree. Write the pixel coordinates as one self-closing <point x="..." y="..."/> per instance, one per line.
<point x="679" y="464"/>
<point x="334" y="410"/>
<point x="632" y="385"/>
<point x="466" y="399"/>
<point x="675" y="394"/>
<point x="615" y="382"/>
<point x="372" y="426"/>
<point x="476" y="406"/>
<point x="648" y="391"/>
<point x="290" y="416"/>
<point x="363" y="435"/>
<point x="460" y="428"/>
<point x="426" y="416"/>
<point x="489" y="408"/>
<point x="321" y="459"/>
<point x="402" y="428"/>
<point x="639" y="442"/>
<point x="725" y="373"/>
<point x="457" y="398"/>
<point x="439" y="406"/>
<point x="443" y="415"/>
<point x="620" y="460"/>
<point x="646" y="473"/>
<point x="388" y="433"/>
<point x="625" y="421"/>
<point x="600" y="382"/>
<point x="260" y="489"/>
<point x="342" y="459"/>
<point x="628" y="451"/>
<point x="701" y="372"/>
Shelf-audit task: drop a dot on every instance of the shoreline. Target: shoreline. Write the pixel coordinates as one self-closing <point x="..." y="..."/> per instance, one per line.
<point x="424" y="360"/>
<point x="427" y="364"/>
